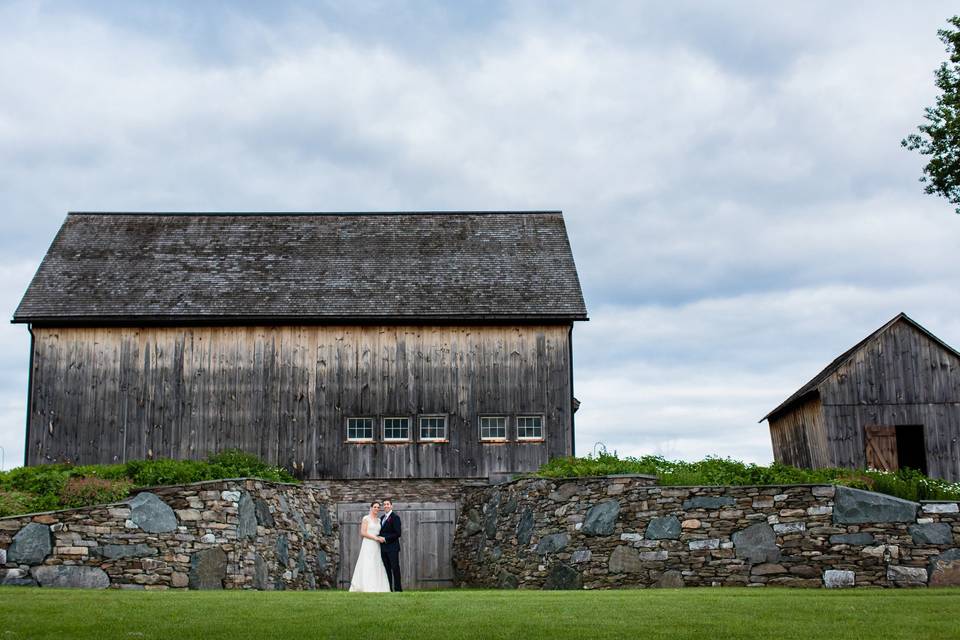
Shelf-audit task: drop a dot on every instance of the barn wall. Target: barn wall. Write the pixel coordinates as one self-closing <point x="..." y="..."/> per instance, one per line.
<point x="900" y="377"/>
<point x="800" y="436"/>
<point x="101" y="395"/>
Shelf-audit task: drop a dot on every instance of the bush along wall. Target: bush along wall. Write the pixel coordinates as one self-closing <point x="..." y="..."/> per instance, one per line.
<point x="600" y="533"/>
<point x="223" y="534"/>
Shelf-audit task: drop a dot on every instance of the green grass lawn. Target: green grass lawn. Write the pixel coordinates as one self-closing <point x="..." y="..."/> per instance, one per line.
<point x="516" y="615"/>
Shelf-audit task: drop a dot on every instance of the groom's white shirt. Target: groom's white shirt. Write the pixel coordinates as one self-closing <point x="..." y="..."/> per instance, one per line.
<point x="385" y="516"/>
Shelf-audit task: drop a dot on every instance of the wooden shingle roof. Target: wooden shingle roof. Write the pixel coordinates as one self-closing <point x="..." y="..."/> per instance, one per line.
<point x="813" y="385"/>
<point x="185" y="267"/>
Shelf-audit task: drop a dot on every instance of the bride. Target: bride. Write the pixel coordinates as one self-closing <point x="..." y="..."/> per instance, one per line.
<point x="370" y="574"/>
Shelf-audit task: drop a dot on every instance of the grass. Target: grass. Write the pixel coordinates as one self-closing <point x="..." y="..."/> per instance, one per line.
<point x="684" y="613"/>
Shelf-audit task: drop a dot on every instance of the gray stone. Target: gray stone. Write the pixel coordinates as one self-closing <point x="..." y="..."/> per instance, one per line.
<point x="325" y="519"/>
<point x="261" y="574"/>
<point x="16" y="578"/>
<point x="837" y="579"/>
<point x="665" y="528"/>
<point x="767" y="569"/>
<point x="490" y="516"/>
<point x="509" y="506"/>
<point x="654" y="556"/>
<point x="701" y="545"/>
<point x="562" y="577"/>
<point x="152" y="514"/>
<point x="474" y="523"/>
<point x="855" y="506"/>
<point x="601" y="519"/>
<point x="944" y="569"/>
<point x="525" y="527"/>
<point x="789" y="527"/>
<point x="906" y="575"/>
<point x="3" y="557"/>
<point x="564" y="492"/>
<point x="283" y="550"/>
<point x="322" y="561"/>
<point x="74" y="577"/>
<point x="631" y="537"/>
<point x="208" y="538"/>
<point x="121" y="551"/>
<point x="757" y="544"/>
<point x="262" y="510"/>
<point x="852" y="538"/>
<point x="31" y="544"/>
<point x="507" y="580"/>
<point x="496" y="553"/>
<point x="246" y="517"/>
<point x="625" y="559"/>
<point x="941" y="507"/>
<point x="581" y="555"/>
<point x="669" y="580"/>
<point x="301" y="560"/>
<point x="708" y="502"/>
<point x="208" y="568"/>
<point x="933" y="533"/>
<point x="230" y="496"/>
<point x="552" y="543"/>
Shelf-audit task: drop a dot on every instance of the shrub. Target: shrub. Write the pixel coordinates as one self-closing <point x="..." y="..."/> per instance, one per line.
<point x="79" y="492"/>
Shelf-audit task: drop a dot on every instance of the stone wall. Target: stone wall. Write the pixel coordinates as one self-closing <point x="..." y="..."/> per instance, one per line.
<point x="233" y="534"/>
<point x="621" y="532"/>
<point x="406" y="490"/>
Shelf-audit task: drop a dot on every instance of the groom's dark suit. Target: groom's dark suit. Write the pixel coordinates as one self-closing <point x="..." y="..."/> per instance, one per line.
<point x="390" y="550"/>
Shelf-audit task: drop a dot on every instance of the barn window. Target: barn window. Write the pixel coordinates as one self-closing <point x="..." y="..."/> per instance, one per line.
<point x="433" y="428"/>
<point x="493" y="428"/>
<point x="529" y="427"/>
<point x="360" y="429"/>
<point x="395" y="429"/>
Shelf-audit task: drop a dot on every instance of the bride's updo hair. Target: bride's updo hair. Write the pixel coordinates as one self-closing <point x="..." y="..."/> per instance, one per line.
<point x="375" y="502"/>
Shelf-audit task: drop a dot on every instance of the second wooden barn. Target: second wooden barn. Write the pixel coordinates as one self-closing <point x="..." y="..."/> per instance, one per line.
<point x="889" y="402"/>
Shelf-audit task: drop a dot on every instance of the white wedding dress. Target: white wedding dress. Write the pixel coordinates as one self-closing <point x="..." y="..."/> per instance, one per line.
<point x="369" y="574"/>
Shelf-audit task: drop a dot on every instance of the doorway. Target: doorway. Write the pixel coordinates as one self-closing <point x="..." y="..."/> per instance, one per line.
<point x="426" y="546"/>
<point x="895" y="447"/>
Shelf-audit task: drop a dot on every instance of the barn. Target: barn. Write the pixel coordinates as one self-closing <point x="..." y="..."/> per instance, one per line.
<point x="891" y="401"/>
<point x="338" y="345"/>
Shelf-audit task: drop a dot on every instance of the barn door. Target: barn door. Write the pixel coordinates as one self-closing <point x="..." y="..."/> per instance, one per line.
<point x="426" y="546"/>
<point x="881" y="444"/>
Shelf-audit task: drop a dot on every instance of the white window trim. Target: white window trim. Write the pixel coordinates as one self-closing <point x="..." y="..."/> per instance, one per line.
<point x="446" y="427"/>
<point x="383" y="429"/>
<point x="373" y="430"/>
<point x="543" y="428"/>
<point x="506" y="428"/>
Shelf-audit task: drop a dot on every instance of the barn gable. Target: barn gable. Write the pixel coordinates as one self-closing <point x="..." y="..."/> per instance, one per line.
<point x="184" y="268"/>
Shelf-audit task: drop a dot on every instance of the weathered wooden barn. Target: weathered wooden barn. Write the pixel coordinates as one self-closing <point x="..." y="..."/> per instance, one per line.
<point x="389" y="345"/>
<point x="889" y="402"/>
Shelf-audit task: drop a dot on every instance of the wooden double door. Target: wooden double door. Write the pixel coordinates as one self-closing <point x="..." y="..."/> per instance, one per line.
<point x="426" y="546"/>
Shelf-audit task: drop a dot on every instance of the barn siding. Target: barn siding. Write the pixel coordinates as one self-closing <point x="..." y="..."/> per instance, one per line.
<point x="800" y="437"/>
<point x="102" y="395"/>
<point x="899" y="377"/>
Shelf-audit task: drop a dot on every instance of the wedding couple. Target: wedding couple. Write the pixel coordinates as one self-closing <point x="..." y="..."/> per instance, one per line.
<point x="378" y="565"/>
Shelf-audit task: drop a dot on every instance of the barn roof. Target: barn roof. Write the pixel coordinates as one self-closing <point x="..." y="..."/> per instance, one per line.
<point x="813" y="385"/>
<point x="203" y="267"/>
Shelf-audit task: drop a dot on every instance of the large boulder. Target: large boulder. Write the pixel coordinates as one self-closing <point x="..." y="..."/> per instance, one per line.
<point x="246" y="517"/>
<point x="525" y="527"/>
<point x="152" y="514"/>
<point x="552" y="543"/>
<point x="264" y="517"/>
<point x="671" y="579"/>
<point x="75" y="577"/>
<point x="855" y="506"/>
<point x="906" y="576"/>
<point x="283" y="550"/>
<point x="208" y="568"/>
<point x="261" y="573"/>
<point x="31" y="544"/>
<point x="562" y="577"/>
<point x="932" y="533"/>
<point x="601" y="519"/>
<point x="944" y="569"/>
<point x="757" y="544"/>
<point x="625" y="559"/>
<point x="665" y="528"/>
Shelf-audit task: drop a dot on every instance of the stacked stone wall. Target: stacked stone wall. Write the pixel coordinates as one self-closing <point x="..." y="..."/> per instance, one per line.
<point x="232" y="534"/>
<point x="405" y="490"/>
<point x="621" y="532"/>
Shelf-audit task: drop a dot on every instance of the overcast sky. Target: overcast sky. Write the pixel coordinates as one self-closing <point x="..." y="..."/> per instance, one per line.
<point x="738" y="202"/>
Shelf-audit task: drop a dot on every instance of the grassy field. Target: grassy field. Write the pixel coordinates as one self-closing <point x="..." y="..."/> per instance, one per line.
<point x="647" y="614"/>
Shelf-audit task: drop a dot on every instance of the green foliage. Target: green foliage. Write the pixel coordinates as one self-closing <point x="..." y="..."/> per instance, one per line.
<point x="939" y="137"/>
<point x="906" y="483"/>
<point x="59" y="486"/>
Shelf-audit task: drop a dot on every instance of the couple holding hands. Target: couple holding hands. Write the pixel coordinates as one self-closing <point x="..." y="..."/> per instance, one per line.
<point x="378" y="565"/>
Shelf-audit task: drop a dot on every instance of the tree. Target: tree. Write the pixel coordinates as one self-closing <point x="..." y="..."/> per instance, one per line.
<point x="939" y="137"/>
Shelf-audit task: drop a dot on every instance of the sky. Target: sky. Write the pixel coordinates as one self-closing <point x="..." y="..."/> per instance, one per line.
<point x="738" y="203"/>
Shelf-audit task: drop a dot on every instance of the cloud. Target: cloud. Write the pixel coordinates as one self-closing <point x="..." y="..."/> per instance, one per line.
<point x="736" y="197"/>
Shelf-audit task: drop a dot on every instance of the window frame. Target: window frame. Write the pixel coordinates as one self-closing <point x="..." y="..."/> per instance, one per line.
<point x="446" y="427"/>
<point x="506" y="428"/>
<point x="383" y="430"/>
<point x="543" y="428"/>
<point x="373" y="430"/>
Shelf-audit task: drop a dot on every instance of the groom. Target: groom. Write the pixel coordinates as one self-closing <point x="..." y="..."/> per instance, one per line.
<point x="390" y="549"/>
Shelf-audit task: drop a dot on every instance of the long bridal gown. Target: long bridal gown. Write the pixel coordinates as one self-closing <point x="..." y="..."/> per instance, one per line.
<point x="369" y="574"/>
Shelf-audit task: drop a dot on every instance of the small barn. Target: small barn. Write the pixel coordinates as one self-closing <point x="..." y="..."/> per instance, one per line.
<point x="387" y="345"/>
<point x="891" y="401"/>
